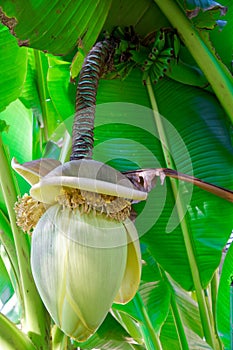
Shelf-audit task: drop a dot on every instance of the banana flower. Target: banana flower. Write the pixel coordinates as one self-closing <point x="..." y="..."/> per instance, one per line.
<point x="85" y="251"/>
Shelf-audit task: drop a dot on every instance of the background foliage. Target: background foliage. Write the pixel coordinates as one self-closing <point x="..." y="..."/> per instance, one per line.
<point x="179" y="294"/>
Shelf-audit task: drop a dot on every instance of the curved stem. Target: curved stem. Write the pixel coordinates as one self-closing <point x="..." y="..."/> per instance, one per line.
<point x="42" y="92"/>
<point x="35" y="314"/>
<point x="150" y="337"/>
<point x="93" y="68"/>
<point x="214" y="293"/>
<point x="220" y="80"/>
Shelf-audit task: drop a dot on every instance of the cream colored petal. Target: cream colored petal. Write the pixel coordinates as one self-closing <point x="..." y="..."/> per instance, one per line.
<point x="33" y="171"/>
<point x="78" y="262"/>
<point x="132" y="276"/>
<point x="87" y="175"/>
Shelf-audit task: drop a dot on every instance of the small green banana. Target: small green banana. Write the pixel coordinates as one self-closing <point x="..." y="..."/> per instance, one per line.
<point x="145" y="75"/>
<point x="164" y="60"/>
<point x="162" y="66"/>
<point x="167" y="52"/>
<point x="154" y="77"/>
<point x="176" y="45"/>
<point x="147" y="65"/>
<point x="161" y="43"/>
<point x="157" y="39"/>
<point x="157" y="72"/>
<point x="155" y="51"/>
<point x="160" y="39"/>
<point x="152" y="56"/>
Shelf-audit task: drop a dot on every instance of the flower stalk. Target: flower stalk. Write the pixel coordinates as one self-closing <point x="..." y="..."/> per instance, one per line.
<point x="94" y="66"/>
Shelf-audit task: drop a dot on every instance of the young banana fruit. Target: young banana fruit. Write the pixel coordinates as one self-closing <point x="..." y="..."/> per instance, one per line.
<point x="163" y="60"/>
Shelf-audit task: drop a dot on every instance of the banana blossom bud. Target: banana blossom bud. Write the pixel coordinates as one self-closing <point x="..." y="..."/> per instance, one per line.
<point x="85" y="251"/>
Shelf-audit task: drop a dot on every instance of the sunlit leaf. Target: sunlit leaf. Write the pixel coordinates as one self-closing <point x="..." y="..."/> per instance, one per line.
<point x="61" y="90"/>
<point x="18" y="139"/>
<point x="13" y="62"/>
<point x="67" y="23"/>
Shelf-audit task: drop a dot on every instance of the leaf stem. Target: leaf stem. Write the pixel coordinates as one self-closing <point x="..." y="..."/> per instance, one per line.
<point x="6" y="239"/>
<point x="42" y="92"/>
<point x="150" y="337"/>
<point x="231" y="311"/>
<point x="214" y="293"/>
<point x="35" y="322"/>
<point x="221" y="81"/>
<point x="59" y="339"/>
<point x="12" y="338"/>
<point x="158" y="121"/>
<point x="205" y="320"/>
<point x="178" y="323"/>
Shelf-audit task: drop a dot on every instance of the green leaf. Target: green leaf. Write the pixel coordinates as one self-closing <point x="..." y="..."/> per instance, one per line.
<point x="67" y="23"/>
<point x="17" y="115"/>
<point x="29" y="94"/>
<point x="213" y="163"/>
<point x="62" y="92"/>
<point x="19" y="139"/>
<point x="77" y="63"/>
<point x="198" y="140"/>
<point x="126" y="317"/>
<point x="13" y="61"/>
<point x="35" y="95"/>
<point x="170" y="340"/>
<point x="13" y="338"/>
<point x="155" y="291"/>
<point x="143" y="15"/>
<point x="109" y="336"/>
<point x="224" y="307"/>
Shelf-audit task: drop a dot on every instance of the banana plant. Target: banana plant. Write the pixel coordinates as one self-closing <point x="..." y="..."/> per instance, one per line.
<point x="151" y="143"/>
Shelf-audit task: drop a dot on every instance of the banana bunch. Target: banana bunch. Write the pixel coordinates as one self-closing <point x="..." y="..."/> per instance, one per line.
<point x="165" y="59"/>
<point x="157" y="63"/>
<point x="126" y="43"/>
<point x="85" y="251"/>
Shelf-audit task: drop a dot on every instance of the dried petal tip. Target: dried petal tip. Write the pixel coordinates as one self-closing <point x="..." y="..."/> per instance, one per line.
<point x="28" y="212"/>
<point x="86" y="175"/>
<point x="33" y="171"/>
